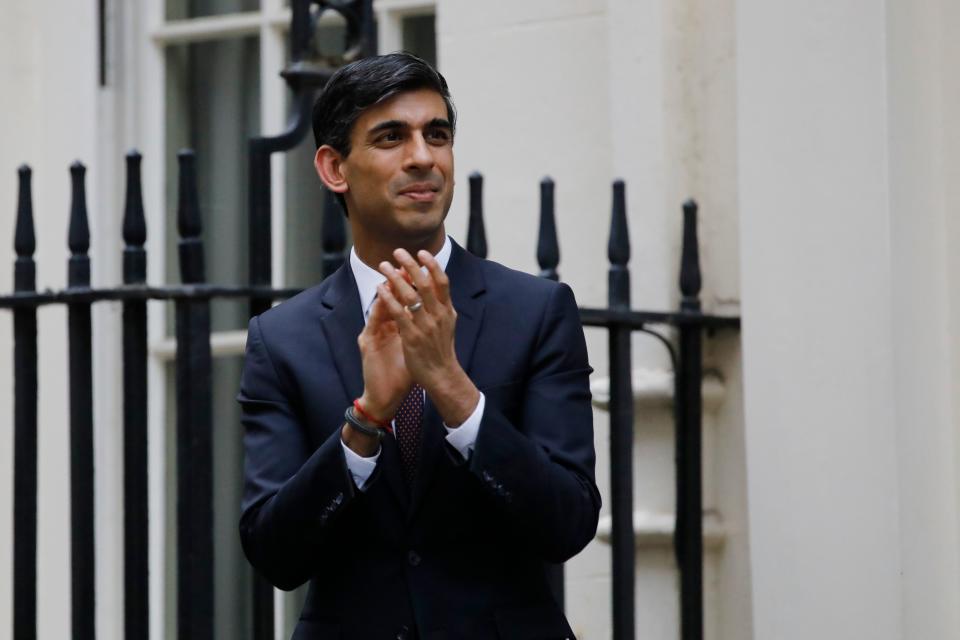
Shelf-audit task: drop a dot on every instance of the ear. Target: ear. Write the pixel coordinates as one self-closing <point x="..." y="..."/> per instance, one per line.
<point x="329" y="165"/>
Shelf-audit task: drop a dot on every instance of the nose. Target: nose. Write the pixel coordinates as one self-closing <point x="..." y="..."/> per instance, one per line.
<point x="419" y="156"/>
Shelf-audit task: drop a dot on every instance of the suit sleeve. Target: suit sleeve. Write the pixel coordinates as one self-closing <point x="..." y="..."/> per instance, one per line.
<point x="292" y="494"/>
<point x="541" y="471"/>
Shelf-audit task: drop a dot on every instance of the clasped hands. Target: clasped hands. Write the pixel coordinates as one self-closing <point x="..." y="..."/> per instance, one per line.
<point x="409" y="338"/>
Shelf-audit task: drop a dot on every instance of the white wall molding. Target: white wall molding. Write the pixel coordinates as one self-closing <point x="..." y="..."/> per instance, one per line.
<point x="222" y="343"/>
<point x="654" y="388"/>
<point x="655" y="529"/>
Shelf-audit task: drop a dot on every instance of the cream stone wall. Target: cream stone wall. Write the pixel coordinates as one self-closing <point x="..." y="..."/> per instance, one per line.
<point x="847" y="173"/>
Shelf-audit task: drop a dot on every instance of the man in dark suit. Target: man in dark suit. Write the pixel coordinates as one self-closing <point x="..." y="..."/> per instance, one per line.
<point x="418" y="430"/>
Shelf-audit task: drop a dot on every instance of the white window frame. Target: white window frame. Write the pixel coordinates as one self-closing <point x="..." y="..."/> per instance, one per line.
<point x="390" y="15"/>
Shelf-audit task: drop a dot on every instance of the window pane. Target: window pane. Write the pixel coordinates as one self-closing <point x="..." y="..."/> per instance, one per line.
<point x="183" y="9"/>
<point x="420" y="37"/>
<point x="213" y="106"/>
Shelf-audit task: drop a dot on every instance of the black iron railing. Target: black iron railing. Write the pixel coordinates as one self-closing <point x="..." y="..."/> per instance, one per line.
<point x="194" y="412"/>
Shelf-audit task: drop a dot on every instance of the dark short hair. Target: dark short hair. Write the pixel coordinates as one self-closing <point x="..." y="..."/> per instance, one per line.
<point x="366" y="82"/>
<point x="360" y="85"/>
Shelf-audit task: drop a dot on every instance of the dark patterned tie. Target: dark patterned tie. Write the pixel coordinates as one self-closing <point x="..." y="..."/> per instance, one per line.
<point x="408" y="423"/>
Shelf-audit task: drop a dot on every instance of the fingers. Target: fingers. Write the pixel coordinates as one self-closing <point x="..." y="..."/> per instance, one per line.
<point x="394" y="307"/>
<point x="422" y="281"/>
<point x="411" y="284"/>
<point x="378" y="313"/>
<point x="380" y="326"/>
<point x="440" y="281"/>
<point x="402" y="290"/>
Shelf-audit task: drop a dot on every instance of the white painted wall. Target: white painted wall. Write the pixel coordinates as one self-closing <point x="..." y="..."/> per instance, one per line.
<point x="846" y="111"/>
<point x="815" y="263"/>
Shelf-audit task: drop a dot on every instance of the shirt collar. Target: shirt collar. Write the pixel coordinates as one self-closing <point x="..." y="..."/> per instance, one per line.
<point x="368" y="278"/>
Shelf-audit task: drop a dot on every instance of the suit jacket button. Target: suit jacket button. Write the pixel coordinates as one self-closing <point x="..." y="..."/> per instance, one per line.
<point x="403" y="633"/>
<point x="413" y="558"/>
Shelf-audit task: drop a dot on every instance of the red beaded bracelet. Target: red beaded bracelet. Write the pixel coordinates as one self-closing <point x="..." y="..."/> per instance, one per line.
<point x="369" y="418"/>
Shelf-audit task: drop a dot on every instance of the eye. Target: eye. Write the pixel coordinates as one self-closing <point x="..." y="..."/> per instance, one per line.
<point x="388" y="137"/>
<point x="438" y="135"/>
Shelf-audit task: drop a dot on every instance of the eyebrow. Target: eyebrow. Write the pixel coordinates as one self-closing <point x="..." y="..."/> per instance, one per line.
<point x="387" y="125"/>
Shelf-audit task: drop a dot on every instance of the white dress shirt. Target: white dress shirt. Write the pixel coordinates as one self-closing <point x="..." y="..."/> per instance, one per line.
<point x="463" y="437"/>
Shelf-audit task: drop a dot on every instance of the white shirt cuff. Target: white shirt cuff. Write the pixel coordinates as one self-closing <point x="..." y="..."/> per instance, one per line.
<point x="465" y="436"/>
<point x="360" y="468"/>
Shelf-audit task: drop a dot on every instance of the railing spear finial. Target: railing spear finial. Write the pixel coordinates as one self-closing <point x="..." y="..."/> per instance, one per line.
<point x="24" y="239"/>
<point x="134" y="224"/>
<point x="189" y="224"/>
<point x="548" y="249"/>
<point x="618" y="250"/>
<point x="476" y="235"/>
<point x="690" y="281"/>
<point x="24" y="242"/>
<point x="78" y="236"/>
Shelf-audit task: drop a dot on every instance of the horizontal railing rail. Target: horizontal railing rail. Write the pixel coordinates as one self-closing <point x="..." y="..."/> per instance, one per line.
<point x="589" y="316"/>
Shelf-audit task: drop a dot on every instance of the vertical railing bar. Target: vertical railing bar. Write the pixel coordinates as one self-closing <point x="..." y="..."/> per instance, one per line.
<point x="194" y="424"/>
<point x="548" y="249"/>
<point x="83" y="565"/>
<point x="259" y="224"/>
<point x="25" y="422"/>
<point x="689" y="417"/>
<point x="621" y="424"/>
<point x="548" y="257"/>
<point x="135" y="489"/>
<point x="476" y="234"/>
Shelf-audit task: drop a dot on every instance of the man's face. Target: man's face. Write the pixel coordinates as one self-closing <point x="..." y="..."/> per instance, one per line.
<point x="400" y="168"/>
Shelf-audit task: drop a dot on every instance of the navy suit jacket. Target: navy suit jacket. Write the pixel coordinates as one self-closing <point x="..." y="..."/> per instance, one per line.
<point x="462" y="554"/>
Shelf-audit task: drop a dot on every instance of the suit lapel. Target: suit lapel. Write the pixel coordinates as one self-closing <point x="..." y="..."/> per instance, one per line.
<point x="342" y="326"/>
<point x="466" y="287"/>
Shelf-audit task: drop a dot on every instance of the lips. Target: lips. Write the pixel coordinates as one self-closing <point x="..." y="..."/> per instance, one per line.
<point x="420" y="191"/>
